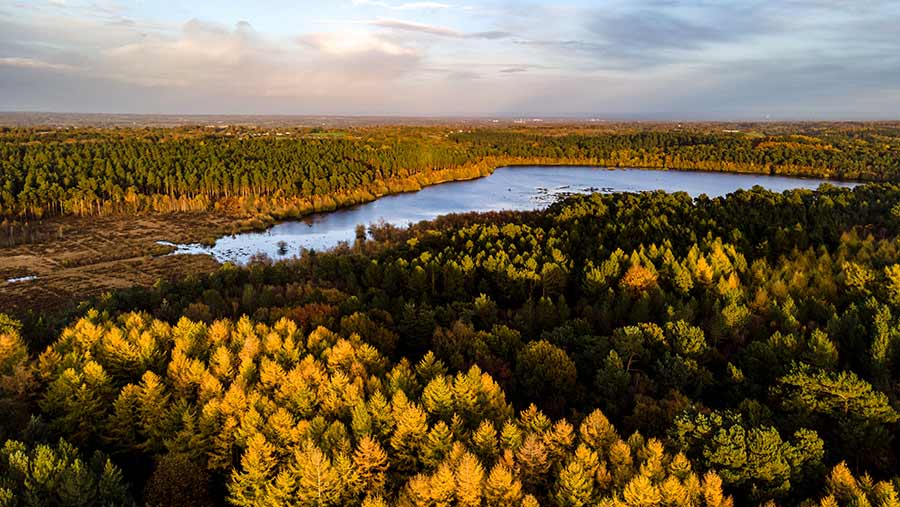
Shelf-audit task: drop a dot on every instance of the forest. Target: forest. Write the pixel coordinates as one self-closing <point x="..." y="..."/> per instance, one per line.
<point x="292" y="172"/>
<point x="621" y="350"/>
<point x="618" y="350"/>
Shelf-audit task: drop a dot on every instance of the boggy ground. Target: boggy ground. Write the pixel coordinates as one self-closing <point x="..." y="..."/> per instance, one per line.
<point x="78" y="257"/>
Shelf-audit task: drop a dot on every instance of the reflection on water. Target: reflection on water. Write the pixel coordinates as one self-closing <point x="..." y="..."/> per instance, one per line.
<point x="508" y="188"/>
<point x="21" y="279"/>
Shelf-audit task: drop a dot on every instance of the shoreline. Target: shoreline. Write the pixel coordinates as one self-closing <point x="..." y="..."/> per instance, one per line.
<point x="76" y="258"/>
<point x="239" y="254"/>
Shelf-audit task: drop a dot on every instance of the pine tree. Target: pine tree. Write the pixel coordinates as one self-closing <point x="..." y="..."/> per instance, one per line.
<point x="559" y="440"/>
<point x="841" y="483"/>
<point x="430" y="367"/>
<point x="374" y="501"/>
<point x="318" y="483"/>
<point x="469" y="479"/>
<point x="533" y="461"/>
<point x="534" y="421"/>
<point x="361" y="420"/>
<point x="575" y="486"/>
<point x="16" y="375"/>
<point x="57" y="475"/>
<point x="371" y="463"/>
<point x="402" y="378"/>
<point x="123" y="425"/>
<point x="511" y="437"/>
<point x="712" y="491"/>
<point x="621" y="461"/>
<point x="843" y="405"/>
<point x="408" y="436"/>
<point x="680" y="467"/>
<point x="75" y="485"/>
<point x="484" y="441"/>
<point x="78" y="400"/>
<point x="640" y="492"/>
<point x="417" y="491"/>
<point x="597" y="432"/>
<point x="502" y="488"/>
<point x="437" y="398"/>
<point x="437" y="445"/>
<point x="443" y="486"/>
<point x="248" y="486"/>
<point x="351" y="482"/>
<point x="380" y="414"/>
<point x="673" y="493"/>
<point x="153" y="409"/>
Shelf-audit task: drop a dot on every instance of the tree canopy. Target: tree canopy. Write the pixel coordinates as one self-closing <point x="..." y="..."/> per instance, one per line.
<point x="615" y="350"/>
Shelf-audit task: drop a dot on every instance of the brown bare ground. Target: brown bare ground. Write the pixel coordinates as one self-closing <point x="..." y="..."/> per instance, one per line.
<point x="78" y="257"/>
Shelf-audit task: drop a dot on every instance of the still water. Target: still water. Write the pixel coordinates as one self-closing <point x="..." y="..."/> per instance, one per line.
<point x="508" y="188"/>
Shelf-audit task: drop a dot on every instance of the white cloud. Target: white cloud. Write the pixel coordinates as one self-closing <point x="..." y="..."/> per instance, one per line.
<point x="31" y="63"/>
<point x="543" y="58"/>
<point x="423" y="5"/>
<point x="440" y="31"/>
<point x="407" y="6"/>
<point x="396" y="24"/>
<point x="353" y="42"/>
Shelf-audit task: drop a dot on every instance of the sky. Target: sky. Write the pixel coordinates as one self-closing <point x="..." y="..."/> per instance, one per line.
<point x="648" y="59"/>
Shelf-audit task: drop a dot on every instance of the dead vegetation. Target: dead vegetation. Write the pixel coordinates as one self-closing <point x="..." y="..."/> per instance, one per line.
<point x="74" y="258"/>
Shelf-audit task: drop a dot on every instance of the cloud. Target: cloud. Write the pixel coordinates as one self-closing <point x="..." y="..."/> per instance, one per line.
<point x="422" y="5"/>
<point x="522" y="68"/>
<point x="416" y="27"/>
<point x="695" y="58"/>
<point x="648" y="33"/>
<point x="395" y="24"/>
<point x="216" y="59"/>
<point x="407" y="6"/>
<point x="31" y="63"/>
<point x="350" y="42"/>
<point x="663" y="29"/>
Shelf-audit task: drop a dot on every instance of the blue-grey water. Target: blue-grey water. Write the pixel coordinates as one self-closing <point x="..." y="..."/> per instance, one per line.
<point x="508" y="188"/>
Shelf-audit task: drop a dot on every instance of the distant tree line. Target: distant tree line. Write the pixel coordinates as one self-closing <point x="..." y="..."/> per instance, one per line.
<point x="287" y="174"/>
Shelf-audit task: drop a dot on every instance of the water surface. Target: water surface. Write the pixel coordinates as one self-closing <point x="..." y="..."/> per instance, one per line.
<point x="508" y="188"/>
<point x="21" y="279"/>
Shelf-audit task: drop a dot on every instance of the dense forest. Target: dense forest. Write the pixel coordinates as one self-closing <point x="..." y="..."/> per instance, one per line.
<point x="617" y="350"/>
<point x="292" y="172"/>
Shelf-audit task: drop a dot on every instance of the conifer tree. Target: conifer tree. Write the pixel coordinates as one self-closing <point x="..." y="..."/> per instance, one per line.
<point x="408" y="436"/>
<point x="469" y="481"/>
<point x="533" y="461"/>
<point x="437" y="445"/>
<point x="484" y="441"/>
<point x="437" y="398"/>
<point x="575" y="486"/>
<point x="640" y="492"/>
<point x="371" y="463"/>
<point x="502" y="488"/>
<point x="248" y="487"/>
<point x="318" y="484"/>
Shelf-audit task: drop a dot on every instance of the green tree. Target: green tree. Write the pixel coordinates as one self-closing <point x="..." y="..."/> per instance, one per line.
<point x="842" y="406"/>
<point x="58" y="475"/>
<point x="546" y="372"/>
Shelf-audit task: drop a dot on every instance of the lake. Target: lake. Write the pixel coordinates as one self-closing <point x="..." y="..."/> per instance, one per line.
<point x="508" y="188"/>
